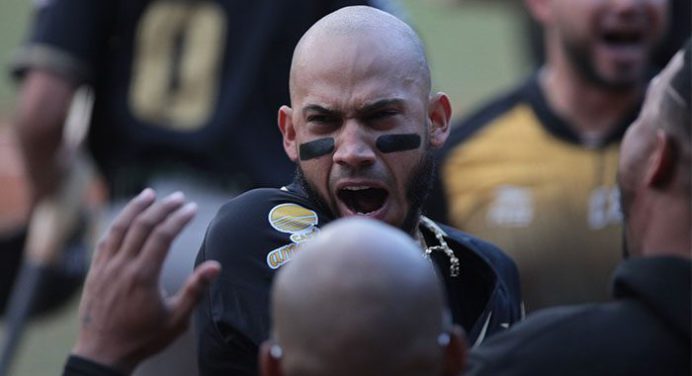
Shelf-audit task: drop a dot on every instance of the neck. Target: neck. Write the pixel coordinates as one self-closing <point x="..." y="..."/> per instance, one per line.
<point x="668" y="230"/>
<point x="592" y="111"/>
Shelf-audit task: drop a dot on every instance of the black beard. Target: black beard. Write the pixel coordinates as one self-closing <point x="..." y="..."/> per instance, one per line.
<point x="417" y="191"/>
<point x="312" y="194"/>
<point x="579" y="56"/>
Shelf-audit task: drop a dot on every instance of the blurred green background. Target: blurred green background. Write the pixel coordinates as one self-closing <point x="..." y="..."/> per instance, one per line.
<point x="476" y="50"/>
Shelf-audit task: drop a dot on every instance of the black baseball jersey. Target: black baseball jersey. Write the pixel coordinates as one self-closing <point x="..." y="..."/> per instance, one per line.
<point x="259" y="231"/>
<point x="516" y="174"/>
<point x="189" y="86"/>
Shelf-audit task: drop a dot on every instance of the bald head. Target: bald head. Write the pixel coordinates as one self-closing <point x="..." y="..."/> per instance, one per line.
<point x="667" y="107"/>
<point x="359" y="299"/>
<point x="655" y="171"/>
<point x="367" y="31"/>
<point x="675" y="102"/>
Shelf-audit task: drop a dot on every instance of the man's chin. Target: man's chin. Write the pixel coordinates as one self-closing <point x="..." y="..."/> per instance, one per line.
<point x="624" y="79"/>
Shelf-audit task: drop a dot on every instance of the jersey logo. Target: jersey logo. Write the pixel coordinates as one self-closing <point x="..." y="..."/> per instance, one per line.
<point x="604" y="207"/>
<point x="513" y="207"/>
<point x="292" y="219"/>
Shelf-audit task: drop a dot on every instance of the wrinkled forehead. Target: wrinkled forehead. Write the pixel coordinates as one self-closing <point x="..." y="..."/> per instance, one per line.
<point x="358" y="63"/>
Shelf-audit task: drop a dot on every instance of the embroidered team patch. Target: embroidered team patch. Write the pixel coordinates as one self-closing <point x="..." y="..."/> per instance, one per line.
<point x="292" y="219"/>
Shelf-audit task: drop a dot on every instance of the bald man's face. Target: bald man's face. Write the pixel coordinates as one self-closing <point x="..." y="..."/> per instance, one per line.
<point x="361" y="126"/>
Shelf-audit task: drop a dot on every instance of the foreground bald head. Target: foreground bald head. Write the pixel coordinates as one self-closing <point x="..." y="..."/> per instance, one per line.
<point x="360" y="299"/>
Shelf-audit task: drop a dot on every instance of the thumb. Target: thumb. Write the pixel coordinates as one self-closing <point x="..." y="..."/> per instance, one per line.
<point x="182" y="304"/>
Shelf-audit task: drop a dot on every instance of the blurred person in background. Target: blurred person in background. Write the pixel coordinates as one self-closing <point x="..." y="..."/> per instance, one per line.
<point x="185" y="99"/>
<point x="65" y="275"/>
<point x="645" y="328"/>
<point x="534" y="170"/>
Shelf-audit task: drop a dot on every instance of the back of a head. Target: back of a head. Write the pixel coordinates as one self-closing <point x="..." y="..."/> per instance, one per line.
<point x="359" y="299"/>
<point x="676" y="104"/>
<point x="674" y="111"/>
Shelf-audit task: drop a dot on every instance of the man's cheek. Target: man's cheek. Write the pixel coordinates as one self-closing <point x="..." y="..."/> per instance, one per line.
<point x="316" y="148"/>
<point x="392" y="143"/>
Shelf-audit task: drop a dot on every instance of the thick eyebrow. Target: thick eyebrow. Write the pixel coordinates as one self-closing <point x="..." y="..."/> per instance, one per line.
<point x="380" y="104"/>
<point x="318" y="109"/>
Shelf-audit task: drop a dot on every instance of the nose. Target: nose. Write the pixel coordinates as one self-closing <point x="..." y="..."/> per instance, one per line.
<point x="353" y="148"/>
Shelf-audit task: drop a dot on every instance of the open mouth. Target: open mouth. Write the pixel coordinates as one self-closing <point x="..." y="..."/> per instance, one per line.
<point x="363" y="200"/>
<point x="623" y="38"/>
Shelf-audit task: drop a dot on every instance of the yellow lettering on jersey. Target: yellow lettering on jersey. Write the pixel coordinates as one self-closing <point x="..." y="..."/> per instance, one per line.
<point x="281" y="255"/>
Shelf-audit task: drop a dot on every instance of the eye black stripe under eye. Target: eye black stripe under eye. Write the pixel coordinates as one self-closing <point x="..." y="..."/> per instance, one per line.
<point x="316" y="148"/>
<point x="391" y="143"/>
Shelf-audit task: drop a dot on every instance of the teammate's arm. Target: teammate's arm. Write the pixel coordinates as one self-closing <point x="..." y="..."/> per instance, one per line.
<point x="44" y="101"/>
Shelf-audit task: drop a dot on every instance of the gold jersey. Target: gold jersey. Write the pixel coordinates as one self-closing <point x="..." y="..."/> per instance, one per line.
<point x="517" y="175"/>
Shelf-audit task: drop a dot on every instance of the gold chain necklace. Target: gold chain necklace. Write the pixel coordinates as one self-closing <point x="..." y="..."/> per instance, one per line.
<point x="454" y="264"/>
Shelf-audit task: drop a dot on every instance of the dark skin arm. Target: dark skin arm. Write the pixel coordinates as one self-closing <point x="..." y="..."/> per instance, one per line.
<point x="44" y="101"/>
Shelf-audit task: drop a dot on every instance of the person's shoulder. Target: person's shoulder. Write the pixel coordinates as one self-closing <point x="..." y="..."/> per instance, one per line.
<point x="486" y="114"/>
<point x="611" y="338"/>
<point x="256" y="204"/>
<point x="524" y="348"/>
<point x="257" y="222"/>
<point x="502" y="266"/>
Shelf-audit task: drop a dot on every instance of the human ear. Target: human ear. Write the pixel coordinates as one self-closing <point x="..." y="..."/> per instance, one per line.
<point x="455" y="353"/>
<point x="440" y="114"/>
<point x="661" y="165"/>
<point x="288" y="132"/>
<point x="269" y="364"/>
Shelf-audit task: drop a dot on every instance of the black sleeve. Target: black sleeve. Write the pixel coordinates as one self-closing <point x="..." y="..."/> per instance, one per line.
<point x="78" y="366"/>
<point x="508" y="301"/>
<point x="67" y="37"/>
<point x="233" y="317"/>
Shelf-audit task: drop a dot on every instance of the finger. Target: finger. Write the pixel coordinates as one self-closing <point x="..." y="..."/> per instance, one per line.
<point x="159" y="242"/>
<point x="182" y="304"/>
<point x="144" y="224"/>
<point x="113" y="238"/>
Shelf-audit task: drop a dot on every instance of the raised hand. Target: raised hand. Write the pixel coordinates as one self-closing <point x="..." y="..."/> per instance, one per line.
<point x="123" y="316"/>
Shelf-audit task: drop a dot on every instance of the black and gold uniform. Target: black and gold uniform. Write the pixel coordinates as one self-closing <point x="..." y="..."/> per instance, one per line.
<point x="257" y="232"/>
<point x="517" y="175"/>
<point x="182" y="87"/>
